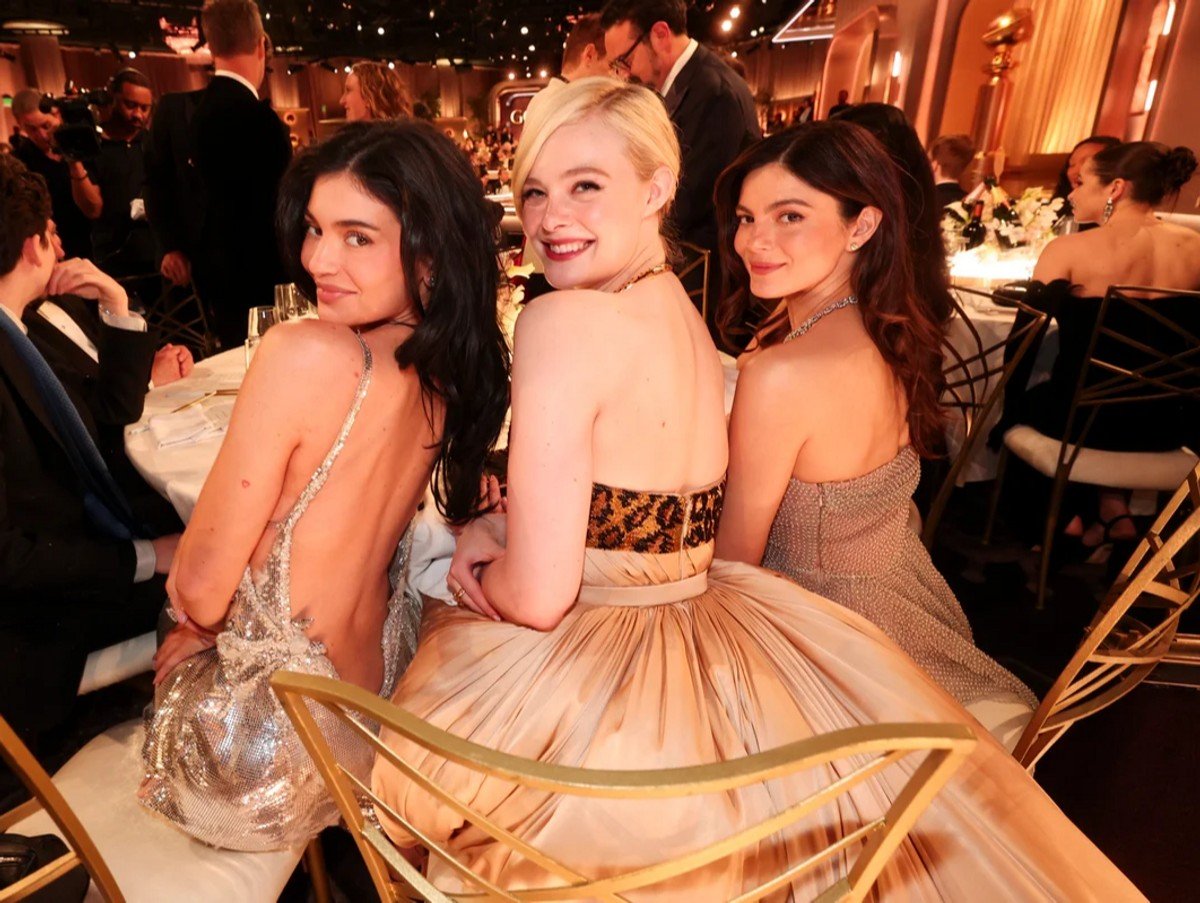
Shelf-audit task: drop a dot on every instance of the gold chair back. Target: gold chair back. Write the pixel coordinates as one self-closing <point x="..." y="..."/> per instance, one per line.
<point x="1160" y="580"/>
<point x="46" y="796"/>
<point x="693" y="273"/>
<point x="875" y="747"/>
<point x="179" y="316"/>
<point x="975" y="380"/>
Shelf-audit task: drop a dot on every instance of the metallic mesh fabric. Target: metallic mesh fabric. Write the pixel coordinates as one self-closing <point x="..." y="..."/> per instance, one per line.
<point x="222" y="760"/>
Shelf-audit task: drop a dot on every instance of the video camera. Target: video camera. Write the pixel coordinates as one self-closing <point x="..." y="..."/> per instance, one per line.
<point x="78" y="138"/>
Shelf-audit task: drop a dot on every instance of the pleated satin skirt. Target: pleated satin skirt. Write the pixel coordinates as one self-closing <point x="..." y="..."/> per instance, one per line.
<point x="664" y="662"/>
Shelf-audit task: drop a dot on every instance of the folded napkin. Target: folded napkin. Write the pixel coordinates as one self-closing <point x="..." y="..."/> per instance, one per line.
<point x="191" y="425"/>
<point x="432" y="548"/>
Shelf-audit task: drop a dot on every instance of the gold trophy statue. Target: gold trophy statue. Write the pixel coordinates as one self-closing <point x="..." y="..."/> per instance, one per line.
<point x="1002" y="35"/>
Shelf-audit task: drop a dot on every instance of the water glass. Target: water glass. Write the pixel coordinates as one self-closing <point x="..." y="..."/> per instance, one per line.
<point x="260" y="320"/>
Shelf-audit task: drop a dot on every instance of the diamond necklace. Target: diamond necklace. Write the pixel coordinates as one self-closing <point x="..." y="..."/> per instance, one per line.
<point x="663" y="267"/>
<point x="812" y="321"/>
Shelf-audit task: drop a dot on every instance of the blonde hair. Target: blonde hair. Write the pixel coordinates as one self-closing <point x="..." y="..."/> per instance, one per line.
<point x="231" y="27"/>
<point x="635" y="113"/>
<point x="383" y="91"/>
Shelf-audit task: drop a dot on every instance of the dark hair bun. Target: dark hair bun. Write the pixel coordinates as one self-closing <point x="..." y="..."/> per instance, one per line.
<point x="1178" y="166"/>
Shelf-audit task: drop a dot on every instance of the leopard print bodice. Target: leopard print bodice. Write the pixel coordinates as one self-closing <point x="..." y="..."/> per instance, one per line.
<point x="653" y="522"/>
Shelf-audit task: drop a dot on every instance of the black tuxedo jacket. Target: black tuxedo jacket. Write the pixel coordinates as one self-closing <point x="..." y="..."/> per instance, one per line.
<point x="241" y="151"/>
<point x="174" y="195"/>
<point x="713" y="112"/>
<point x="48" y="548"/>
<point x="948" y="193"/>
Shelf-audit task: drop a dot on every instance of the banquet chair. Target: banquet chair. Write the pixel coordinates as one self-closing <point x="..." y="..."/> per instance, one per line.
<point x="143" y="856"/>
<point x="975" y="383"/>
<point x="874" y="748"/>
<point x="1119" y="649"/>
<point x="693" y="272"/>
<point x="1163" y="333"/>
<point x="46" y="797"/>
<point x="179" y="316"/>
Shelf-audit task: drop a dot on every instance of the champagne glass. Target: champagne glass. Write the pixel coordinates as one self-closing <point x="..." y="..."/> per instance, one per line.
<point x="260" y="320"/>
<point x="290" y="304"/>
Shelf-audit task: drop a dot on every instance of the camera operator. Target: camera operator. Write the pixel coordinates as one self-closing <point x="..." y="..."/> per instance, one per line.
<point x="122" y="242"/>
<point x="73" y="196"/>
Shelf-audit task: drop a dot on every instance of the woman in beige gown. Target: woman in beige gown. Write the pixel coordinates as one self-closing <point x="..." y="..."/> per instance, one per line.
<point x="844" y="377"/>
<point x="594" y="628"/>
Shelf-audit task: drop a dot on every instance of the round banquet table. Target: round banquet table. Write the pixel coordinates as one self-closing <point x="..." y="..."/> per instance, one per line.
<point x="177" y="472"/>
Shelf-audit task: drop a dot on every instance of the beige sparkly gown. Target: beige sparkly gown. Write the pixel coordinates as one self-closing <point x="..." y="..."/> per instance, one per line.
<point x="221" y="758"/>
<point x="669" y="658"/>
<point x="850" y="542"/>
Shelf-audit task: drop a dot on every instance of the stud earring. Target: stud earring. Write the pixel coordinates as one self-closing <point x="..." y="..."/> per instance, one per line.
<point x="853" y="246"/>
<point x="1108" y="209"/>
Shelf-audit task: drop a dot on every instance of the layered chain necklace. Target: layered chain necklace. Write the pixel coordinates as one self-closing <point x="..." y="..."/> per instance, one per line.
<point x="812" y="321"/>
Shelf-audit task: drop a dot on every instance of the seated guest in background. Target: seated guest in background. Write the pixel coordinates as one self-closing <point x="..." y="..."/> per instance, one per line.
<point x="595" y="630"/>
<point x="950" y="155"/>
<point x="646" y="42"/>
<point x="285" y="561"/>
<point x="80" y="544"/>
<point x="926" y="250"/>
<point x="583" y="54"/>
<point x="1119" y="189"/>
<point x="820" y="482"/>
<point x="75" y="199"/>
<point x="373" y="91"/>
<point x="222" y="153"/>
<point x="1068" y="179"/>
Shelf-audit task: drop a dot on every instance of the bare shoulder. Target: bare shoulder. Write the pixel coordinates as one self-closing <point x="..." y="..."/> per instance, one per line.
<point x="562" y="319"/>
<point x="310" y="351"/>
<point x="775" y="371"/>
<point x="1055" y="260"/>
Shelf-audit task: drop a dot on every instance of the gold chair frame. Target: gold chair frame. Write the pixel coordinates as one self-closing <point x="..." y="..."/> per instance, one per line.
<point x="946" y="745"/>
<point x="697" y="258"/>
<point x="1119" y="650"/>
<point x="1164" y="376"/>
<point x="46" y="796"/>
<point x="974" y="386"/>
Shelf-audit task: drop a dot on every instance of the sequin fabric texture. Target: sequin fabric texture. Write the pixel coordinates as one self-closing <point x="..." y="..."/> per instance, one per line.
<point x="222" y="760"/>
<point x="850" y="542"/>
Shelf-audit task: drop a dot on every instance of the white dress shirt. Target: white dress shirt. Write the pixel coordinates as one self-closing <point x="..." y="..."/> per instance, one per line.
<point x="238" y="78"/>
<point x="679" y="64"/>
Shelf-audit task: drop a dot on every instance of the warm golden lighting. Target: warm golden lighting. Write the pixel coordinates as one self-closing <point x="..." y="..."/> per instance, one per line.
<point x="1150" y="92"/>
<point x="897" y="62"/>
<point x="1169" y="20"/>
<point x="726" y="25"/>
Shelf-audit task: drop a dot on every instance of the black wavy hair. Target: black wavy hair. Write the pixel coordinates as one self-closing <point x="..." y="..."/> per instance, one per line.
<point x="457" y="347"/>
<point x="893" y="130"/>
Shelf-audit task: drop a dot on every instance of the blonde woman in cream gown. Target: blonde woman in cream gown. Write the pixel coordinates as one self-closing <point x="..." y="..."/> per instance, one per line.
<point x="594" y="627"/>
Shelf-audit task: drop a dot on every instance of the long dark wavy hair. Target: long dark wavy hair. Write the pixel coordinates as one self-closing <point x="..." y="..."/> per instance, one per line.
<point x="845" y="161"/>
<point x="457" y="347"/>
<point x="893" y="130"/>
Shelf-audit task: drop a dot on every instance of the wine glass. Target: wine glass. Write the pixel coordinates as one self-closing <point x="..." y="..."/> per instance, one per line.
<point x="290" y="304"/>
<point x="260" y="320"/>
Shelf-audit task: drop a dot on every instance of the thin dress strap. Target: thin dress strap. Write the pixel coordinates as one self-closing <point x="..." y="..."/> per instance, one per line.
<point x="317" y="480"/>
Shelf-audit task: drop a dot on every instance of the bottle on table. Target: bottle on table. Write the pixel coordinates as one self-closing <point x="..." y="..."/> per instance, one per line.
<point x="974" y="231"/>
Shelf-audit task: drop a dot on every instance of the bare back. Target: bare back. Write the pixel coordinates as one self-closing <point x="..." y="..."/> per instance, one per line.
<point x="1146" y="252"/>
<point x="661" y="423"/>
<point x="345" y="542"/>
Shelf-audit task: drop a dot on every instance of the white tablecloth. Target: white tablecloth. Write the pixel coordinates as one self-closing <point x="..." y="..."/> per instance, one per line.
<point x="178" y="471"/>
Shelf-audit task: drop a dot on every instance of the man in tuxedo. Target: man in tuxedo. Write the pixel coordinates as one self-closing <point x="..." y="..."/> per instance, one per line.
<point x="950" y="155"/>
<point x="228" y="146"/>
<point x="84" y="543"/>
<point x="646" y="41"/>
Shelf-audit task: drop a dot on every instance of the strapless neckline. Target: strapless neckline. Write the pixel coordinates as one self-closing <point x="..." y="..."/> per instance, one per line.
<point x="881" y="472"/>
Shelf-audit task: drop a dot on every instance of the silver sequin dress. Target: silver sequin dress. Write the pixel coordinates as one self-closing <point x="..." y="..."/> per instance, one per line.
<point x="850" y="542"/>
<point x="222" y="760"/>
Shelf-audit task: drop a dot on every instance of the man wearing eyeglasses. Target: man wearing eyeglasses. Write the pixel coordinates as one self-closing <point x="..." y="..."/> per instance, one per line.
<point x="646" y="41"/>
